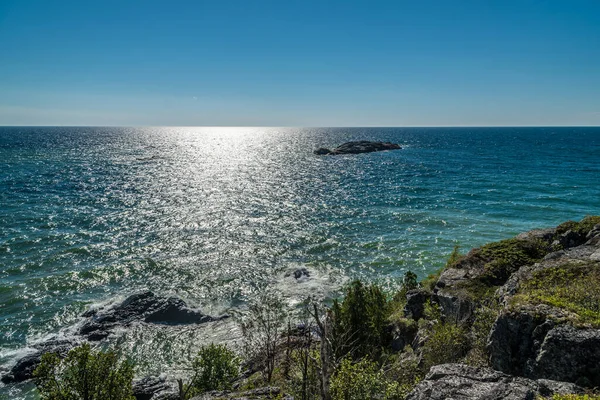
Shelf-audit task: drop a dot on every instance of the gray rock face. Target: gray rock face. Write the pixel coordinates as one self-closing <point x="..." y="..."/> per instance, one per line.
<point x="358" y="147"/>
<point x="538" y="340"/>
<point x="146" y="307"/>
<point x="461" y="382"/>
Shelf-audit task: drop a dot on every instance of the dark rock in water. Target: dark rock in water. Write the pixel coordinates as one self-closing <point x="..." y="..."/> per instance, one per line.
<point x="358" y="147"/>
<point x="462" y="382"/>
<point x="154" y="388"/>
<point x="302" y="272"/>
<point x="321" y="151"/>
<point x="142" y="307"/>
<point x="299" y="273"/>
<point x="146" y="307"/>
<point x="23" y="369"/>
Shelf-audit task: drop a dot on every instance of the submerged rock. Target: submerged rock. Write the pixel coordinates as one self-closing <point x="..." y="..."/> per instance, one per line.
<point x="23" y="369"/>
<point x="362" y="146"/>
<point x="462" y="382"/>
<point x="142" y="307"/>
<point x="145" y="307"/>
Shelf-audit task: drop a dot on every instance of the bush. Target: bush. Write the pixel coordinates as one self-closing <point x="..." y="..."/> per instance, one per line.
<point x="573" y="287"/>
<point x="363" y="380"/>
<point x="506" y="256"/>
<point x="85" y="374"/>
<point x="446" y="343"/>
<point x="215" y="368"/>
<point x="485" y="316"/>
<point x="362" y="317"/>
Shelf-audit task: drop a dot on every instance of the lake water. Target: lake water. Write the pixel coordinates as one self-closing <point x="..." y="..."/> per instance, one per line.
<point x="217" y="215"/>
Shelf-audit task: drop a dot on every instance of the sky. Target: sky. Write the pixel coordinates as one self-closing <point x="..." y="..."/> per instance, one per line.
<point x="300" y="63"/>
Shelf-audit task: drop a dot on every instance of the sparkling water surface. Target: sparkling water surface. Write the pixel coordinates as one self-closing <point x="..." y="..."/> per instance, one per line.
<point x="216" y="215"/>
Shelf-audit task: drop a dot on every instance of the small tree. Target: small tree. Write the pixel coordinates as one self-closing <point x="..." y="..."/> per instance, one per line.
<point x="215" y="368"/>
<point x="262" y="330"/>
<point x="85" y="374"/>
<point x="363" y="316"/>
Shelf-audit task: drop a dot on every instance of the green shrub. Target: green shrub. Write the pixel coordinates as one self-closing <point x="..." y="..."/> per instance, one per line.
<point x="85" y="374"/>
<point x="215" y="368"/>
<point x="363" y="380"/>
<point x="410" y="281"/>
<point x="446" y="342"/>
<point x="506" y="256"/>
<point x="485" y="316"/>
<point x="572" y="287"/>
<point x="574" y="397"/>
<point x="582" y="227"/>
<point x="362" y="318"/>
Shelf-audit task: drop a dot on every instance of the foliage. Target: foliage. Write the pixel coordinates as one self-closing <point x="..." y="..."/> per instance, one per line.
<point x="454" y="257"/>
<point x="574" y="397"/>
<point x="215" y="367"/>
<point x="85" y="374"/>
<point x="403" y="367"/>
<point x="410" y="281"/>
<point x="485" y="316"/>
<point x="262" y="330"/>
<point x="446" y="342"/>
<point x="304" y="374"/>
<point x="582" y="227"/>
<point x="573" y="287"/>
<point x="363" y="380"/>
<point x="506" y="256"/>
<point x="362" y="316"/>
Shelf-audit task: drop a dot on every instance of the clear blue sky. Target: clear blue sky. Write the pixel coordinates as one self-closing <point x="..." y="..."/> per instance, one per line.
<point x="300" y="63"/>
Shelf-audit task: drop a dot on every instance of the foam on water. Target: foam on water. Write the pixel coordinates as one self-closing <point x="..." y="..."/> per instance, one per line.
<point x="216" y="216"/>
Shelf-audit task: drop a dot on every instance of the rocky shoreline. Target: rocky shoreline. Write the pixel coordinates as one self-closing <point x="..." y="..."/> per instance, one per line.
<point x="541" y="290"/>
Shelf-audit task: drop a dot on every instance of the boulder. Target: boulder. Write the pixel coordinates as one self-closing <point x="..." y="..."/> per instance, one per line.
<point x="415" y="303"/>
<point x="144" y="307"/>
<point x="362" y="146"/>
<point x="462" y="382"/>
<point x="154" y="388"/>
<point x="23" y="369"/>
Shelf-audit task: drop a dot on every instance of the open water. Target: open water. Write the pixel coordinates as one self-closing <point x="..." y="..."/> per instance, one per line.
<point x="216" y="215"/>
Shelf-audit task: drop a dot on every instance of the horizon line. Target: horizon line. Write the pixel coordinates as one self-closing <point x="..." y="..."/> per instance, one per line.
<point x="299" y="126"/>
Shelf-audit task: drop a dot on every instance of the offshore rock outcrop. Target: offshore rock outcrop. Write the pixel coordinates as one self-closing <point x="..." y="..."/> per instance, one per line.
<point x="358" y="147"/>
<point x="462" y="382"/>
<point x="143" y="307"/>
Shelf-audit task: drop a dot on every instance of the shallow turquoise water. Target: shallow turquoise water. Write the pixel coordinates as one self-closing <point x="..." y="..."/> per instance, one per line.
<point x="215" y="215"/>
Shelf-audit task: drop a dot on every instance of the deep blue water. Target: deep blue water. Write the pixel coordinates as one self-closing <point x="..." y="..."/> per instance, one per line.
<point x="215" y="215"/>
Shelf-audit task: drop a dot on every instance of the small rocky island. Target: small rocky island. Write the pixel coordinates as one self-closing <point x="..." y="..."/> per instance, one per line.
<point x="362" y="146"/>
